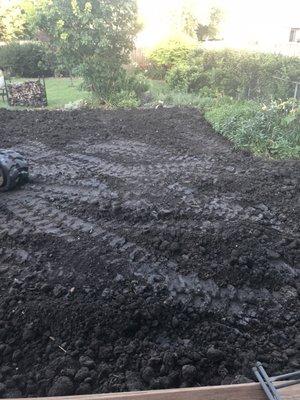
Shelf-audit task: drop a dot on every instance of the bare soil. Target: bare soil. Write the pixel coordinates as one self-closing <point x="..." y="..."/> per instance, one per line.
<point x="145" y="253"/>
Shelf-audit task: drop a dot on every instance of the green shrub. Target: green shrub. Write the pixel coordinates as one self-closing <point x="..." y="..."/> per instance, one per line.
<point x="272" y="130"/>
<point x="177" y="77"/>
<point x="28" y="59"/>
<point x="241" y="75"/>
<point x="127" y="93"/>
<point x="167" y="55"/>
<point x="123" y="99"/>
<point x="137" y="83"/>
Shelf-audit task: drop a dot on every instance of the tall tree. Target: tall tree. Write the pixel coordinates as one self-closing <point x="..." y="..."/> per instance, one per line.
<point x="95" y="37"/>
<point x="210" y="30"/>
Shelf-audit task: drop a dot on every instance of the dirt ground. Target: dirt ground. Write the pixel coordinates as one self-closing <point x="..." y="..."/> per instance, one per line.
<point x="145" y="253"/>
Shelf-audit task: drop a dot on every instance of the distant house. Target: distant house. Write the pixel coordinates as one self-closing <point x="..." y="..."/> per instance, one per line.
<point x="295" y="35"/>
<point x="276" y="30"/>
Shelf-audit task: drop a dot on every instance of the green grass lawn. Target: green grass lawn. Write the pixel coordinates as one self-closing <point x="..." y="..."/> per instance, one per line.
<point x="60" y="91"/>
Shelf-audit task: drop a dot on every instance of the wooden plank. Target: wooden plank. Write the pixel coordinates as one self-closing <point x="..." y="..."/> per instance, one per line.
<point x="249" y="391"/>
<point x="291" y="392"/>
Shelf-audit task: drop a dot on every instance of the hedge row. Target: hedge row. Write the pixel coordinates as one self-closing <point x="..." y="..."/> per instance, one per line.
<point x="238" y="74"/>
<point x="29" y="59"/>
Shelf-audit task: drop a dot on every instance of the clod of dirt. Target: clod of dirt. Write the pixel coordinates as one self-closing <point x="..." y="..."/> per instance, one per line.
<point x="63" y="386"/>
<point x="189" y="373"/>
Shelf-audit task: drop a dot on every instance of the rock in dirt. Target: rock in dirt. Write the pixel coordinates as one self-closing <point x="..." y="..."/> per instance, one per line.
<point x="59" y="290"/>
<point x="238" y="379"/>
<point x="82" y="374"/>
<point x="84" y="388"/>
<point x="87" y="362"/>
<point x="215" y="354"/>
<point x="63" y="386"/>
<point x="189" y="373"/>
<point x="133" y="381"/>
<point x="147" y="374"/>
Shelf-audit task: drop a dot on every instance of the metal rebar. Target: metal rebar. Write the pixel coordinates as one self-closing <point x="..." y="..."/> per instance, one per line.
<point x="295" y="374"/>
<point x="285" y="384"/>
<point x="263" y="384"/>
<point x="267" y="382"/>
<point x="266" y="379"/>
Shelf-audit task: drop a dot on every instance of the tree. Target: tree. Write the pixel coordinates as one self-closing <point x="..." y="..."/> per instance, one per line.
<point x="211" y="30"/>
<point x="11" y="21"/>
<point x="16" y="19"/>
<point x="95" y="37"/>
<point x="189" y="23"/>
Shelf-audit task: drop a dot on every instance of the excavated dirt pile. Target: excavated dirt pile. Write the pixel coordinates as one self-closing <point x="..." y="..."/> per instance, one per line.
<point x="145" y="253"/>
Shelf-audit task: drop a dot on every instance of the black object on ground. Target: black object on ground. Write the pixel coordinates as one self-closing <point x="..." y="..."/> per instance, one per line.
<point x="13" y="170"/>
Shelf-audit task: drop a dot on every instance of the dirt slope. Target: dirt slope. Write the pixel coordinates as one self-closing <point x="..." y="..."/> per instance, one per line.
<point x="145" y="253"/>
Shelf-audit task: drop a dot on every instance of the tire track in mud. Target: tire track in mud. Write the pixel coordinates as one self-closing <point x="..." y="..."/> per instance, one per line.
<point x="84" y="191"/>
<point x="13" y="256"/>
<point x="131" y="151"/>
<point x="69" y="166"/>
<point x="94" y="193"/>
<point x="96" y="161"/>
<point x="73" y="166"/>
<point x="92" y="164"/>
<point x="36" y="216"/>
<point x="56" y="172"/>
<point x="76" y="167"/>
<point x="71" y="176"/>
<point x="154" y="172"/>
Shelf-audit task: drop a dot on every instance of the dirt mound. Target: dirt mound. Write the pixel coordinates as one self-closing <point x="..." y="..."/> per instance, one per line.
<point x="145" y="253"/>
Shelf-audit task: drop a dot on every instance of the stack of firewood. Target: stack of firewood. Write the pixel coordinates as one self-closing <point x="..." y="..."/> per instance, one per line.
<point x="30" y="94"/>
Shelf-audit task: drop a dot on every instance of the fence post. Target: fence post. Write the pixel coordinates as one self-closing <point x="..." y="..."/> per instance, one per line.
<point x="295" y="94"/>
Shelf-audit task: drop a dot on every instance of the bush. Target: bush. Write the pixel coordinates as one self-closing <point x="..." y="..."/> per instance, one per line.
<point x="130" y="91"/>
<point x="123" y="99"/>
<point x="137" y="83"/>
<point x="177" y="77"/>
<point x="241" y="75"/>
<point x="127" y="93"/>
<point x="167" y="55"/>
<point x="272" y="130"/>
<point x="28" y="59"/>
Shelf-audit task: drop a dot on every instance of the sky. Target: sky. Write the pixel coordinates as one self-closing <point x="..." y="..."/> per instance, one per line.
<point x="244" y="20"/>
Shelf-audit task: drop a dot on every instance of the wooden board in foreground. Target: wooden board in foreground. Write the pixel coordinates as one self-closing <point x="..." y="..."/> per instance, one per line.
<point x="249" y="391"/>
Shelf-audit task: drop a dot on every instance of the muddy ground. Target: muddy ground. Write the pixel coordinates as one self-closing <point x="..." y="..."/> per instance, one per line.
<point x="145" y="253"/>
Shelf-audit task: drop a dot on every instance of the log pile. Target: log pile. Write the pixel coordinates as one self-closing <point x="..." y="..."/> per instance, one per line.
<point x="29" y="94"/>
